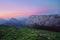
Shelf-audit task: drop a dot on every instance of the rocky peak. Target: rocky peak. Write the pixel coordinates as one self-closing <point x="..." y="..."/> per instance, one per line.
<point x="46" y="20"/>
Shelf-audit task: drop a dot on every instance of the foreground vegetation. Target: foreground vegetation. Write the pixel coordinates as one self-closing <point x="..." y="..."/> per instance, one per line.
<point x="23" y="33"/>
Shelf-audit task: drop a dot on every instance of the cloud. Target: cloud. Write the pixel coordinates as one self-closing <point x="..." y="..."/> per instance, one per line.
<point x="20" y="8"/>
<point x="22" y="13"/>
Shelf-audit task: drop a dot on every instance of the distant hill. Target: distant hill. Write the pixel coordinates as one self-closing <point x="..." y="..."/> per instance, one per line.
<point x="2" y="21"/>
<point x="15" y="22"/>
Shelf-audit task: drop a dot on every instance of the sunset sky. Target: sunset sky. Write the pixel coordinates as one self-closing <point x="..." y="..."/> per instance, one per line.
<point x="24" y="8"/>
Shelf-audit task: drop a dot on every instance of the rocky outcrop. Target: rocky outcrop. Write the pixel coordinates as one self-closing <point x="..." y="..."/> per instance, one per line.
<point x="46" y="20"/>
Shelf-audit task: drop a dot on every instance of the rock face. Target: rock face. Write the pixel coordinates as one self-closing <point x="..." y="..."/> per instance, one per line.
<point x="46" y="20"/>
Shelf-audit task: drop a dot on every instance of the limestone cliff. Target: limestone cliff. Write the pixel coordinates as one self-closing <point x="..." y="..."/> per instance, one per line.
<point x="46" y="20"/>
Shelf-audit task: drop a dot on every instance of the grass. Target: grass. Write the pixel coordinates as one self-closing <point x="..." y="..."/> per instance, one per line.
<point x="23" y="33"/>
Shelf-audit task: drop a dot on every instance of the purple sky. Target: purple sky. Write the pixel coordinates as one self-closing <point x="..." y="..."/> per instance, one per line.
<point x="22" y="8"/>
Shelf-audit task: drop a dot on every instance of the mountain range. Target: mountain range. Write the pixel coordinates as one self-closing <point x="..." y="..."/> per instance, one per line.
<point x="46" y="20"/>
<point x="12" y="22"/>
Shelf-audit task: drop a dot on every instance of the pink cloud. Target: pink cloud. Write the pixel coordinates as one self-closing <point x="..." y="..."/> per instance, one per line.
<point x="17" y="11"/>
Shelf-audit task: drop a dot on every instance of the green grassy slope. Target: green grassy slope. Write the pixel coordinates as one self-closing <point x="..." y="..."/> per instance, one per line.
<point x="20" y="33"/>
